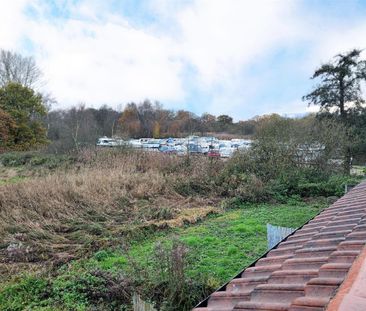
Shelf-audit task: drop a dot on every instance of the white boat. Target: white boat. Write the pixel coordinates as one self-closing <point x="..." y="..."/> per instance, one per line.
<point x="107" y="142"/>
<point x="151" y="144"/>
<point x="135" y="143"/>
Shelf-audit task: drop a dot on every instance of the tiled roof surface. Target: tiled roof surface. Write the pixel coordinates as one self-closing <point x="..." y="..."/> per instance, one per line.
<point x="304" y="271"/>
<point x="351" y="295"/>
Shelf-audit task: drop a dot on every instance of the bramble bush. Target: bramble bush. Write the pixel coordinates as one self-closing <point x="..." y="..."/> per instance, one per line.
<point x="34" y="159"/>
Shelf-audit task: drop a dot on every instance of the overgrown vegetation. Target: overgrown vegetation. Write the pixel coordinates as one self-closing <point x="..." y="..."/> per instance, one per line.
<point x="85" y="230"/>
<point x="76" y="206"/>
<point x="101" y="196"/>
<point x="35" y="159"/>
<point x="172" y="269"/>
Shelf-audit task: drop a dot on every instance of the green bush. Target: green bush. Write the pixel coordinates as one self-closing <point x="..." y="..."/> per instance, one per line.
<point x="248" y="180"/>
<point x="102" y="255"/>
<point x="27" y="293"/>
<point x="76" y="289"/>
<point x="333" y="186"/>
<point x="15" y="159"/>
<point x="37" y="160"/>
<point x="34" y="159"/>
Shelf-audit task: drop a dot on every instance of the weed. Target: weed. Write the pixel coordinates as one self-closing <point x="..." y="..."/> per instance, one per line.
<point x="109" y="189"/>
<point x="28" y="292"/>
<point x="112" y="195"/>
<point x="174" y="268"/>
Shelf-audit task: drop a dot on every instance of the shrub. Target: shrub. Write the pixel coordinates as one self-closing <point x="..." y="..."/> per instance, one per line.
<point x="248" y="180"/>
<point x="15" y="159"/>
<point x="34" y="159"/>
<point x="192" y="186"/>
<point x="102" y="255"/>
<point x="333" y="186"/>
<point x="29" y="291"/>
<point x="78" y="289"/>
<point x="246" y="188"/>
<point x="167" y="283"/>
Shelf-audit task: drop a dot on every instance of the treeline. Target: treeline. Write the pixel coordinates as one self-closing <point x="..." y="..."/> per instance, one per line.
<point x="71" y="128"/>
<point x="79" y="126"/>
<point x="152" y="120"/>
<point x="27" y="121"/>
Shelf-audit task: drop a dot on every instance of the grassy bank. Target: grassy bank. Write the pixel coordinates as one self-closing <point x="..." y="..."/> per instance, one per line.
<point x="71" y="208"/>
<point x="92" y="228"/>
<point x="223" y="244"/>
<point x="204" y="256"/>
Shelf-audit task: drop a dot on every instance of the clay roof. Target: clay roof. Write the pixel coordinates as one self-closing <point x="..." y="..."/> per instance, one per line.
<point x="303" y="272"/>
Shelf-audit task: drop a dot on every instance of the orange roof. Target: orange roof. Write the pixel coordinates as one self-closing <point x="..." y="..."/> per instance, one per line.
<point x="303" y="272"/>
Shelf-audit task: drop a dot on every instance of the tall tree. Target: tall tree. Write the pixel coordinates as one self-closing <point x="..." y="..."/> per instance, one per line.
<point x="130" y="121"/>
<point x="164" y="118"/>
<point x="339" y="92"/>
<point x="19" y="69"/>
<point x="26" y="109"/>
<point x="224" y="122"/>
<point x="246" y="127"/>
<point x="208" y="122"/>
<point x="146" y="115"/>
<point x="186" y="122"/>
<point x="106" y="119"/>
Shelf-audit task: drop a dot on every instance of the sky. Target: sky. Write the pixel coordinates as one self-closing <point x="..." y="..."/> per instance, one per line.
<point x="238" y="57"/>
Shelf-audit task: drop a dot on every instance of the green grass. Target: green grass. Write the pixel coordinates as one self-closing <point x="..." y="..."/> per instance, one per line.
<point x="12" y="180"/>
<point x="222" y="245"/>
<point x="219" y="247"/>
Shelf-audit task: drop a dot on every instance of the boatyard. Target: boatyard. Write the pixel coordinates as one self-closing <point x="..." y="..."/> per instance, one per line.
<point x="210" y="146"/>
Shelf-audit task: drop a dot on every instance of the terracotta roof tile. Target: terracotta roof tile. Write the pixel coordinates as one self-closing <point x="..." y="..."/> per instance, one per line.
<point x="303" y="272"/>
<point x="351" y="294"/>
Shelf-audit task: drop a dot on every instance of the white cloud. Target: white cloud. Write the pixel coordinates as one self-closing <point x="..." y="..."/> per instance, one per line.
<point x="95" y="54"/>
<point x="105" y="61"/>
<point x="223" y="41"/>
<point x="12" y="23"/>
<point x="219" y="39"/>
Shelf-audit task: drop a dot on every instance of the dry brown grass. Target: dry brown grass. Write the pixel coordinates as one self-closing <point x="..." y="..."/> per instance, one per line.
<point x="106" y="194"/>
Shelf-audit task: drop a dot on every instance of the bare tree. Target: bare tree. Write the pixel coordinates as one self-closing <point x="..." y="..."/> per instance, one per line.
<point x="17" y="68"/>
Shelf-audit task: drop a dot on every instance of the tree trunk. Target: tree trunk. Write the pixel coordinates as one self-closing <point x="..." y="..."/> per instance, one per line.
<point x="341" y="99"/>
<point x="75" y="136"/>
<point x="343" y="115"/>
<point x="347" y="161"/>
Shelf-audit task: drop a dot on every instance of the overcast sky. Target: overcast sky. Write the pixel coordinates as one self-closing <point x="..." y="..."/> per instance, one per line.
<point x="237" y="57"/>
